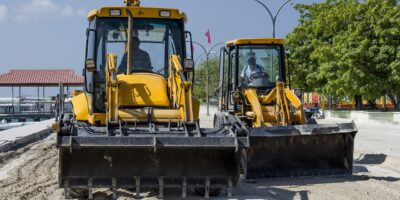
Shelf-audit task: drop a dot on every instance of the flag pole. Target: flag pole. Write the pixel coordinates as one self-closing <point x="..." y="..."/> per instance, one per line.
<point x="208" y="34"/>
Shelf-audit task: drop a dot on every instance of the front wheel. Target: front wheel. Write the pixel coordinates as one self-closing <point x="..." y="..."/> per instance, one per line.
<point x="219" y="120"/>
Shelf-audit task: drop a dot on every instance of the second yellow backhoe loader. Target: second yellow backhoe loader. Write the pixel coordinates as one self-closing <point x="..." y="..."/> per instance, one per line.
<point x="135" y="125"/>
<point x="282" y="142"/>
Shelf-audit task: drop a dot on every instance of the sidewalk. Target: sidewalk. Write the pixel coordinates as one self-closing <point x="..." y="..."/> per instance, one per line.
<point x="363" y="116"/>
<point x="16" y="137"/>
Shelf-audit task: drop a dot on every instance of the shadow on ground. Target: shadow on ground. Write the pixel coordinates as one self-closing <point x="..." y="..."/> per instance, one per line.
<point x="272" y="188"/>
<point x="371" y="159"/>
<point x="243" y="192"/>
<point x="262" y="189"/>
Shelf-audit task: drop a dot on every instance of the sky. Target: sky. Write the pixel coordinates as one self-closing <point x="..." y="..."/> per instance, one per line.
<point x="46" y="34"/>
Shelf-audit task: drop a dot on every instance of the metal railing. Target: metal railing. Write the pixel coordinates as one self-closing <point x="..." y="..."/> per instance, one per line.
<point x="28" y="107"/>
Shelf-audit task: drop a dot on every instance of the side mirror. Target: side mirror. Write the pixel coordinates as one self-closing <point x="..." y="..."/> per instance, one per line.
<point x="189" y="65"/>
<point x="189" y="41"/>
<point x="90" y="65"/>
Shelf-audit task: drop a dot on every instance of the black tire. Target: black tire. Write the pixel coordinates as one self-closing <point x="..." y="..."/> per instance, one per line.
<point x="213" y="192"/>
<point x="312" y="121"/>
<point x="219" y="120"/>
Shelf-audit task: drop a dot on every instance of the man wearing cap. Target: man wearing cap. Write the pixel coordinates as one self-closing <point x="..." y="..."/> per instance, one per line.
<point x="250" y="69"/>
<point x="140" y="59"/>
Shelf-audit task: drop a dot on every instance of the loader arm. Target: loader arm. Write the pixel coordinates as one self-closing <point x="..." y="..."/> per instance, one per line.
<point x="111" y="89"/>
<point x="282" y="99"/>
<point x="180" y="89"/>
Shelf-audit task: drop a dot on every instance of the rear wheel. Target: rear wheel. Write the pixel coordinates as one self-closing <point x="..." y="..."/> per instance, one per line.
<point x="212" y="191"/>
<point x="312" y="121"/>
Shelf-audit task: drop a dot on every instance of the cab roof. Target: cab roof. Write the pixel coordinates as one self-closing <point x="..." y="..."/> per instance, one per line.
<point x="247" y="41"/>
<point x="138" y="12"/>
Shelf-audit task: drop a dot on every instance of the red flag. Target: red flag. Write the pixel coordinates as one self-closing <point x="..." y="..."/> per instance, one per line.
<point x="208" y="34"/>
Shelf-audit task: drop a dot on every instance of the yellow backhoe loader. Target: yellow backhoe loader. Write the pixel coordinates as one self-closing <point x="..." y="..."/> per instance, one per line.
<point x="135" y="124"/>
<point x="282" y="141"/>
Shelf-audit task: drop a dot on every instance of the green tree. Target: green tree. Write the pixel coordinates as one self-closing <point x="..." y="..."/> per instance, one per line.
<point x="347" y="48"/>
<point x="201" y="80"/>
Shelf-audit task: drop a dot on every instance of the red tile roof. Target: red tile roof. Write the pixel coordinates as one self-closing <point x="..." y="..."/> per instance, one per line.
<point x="39" y="77"/>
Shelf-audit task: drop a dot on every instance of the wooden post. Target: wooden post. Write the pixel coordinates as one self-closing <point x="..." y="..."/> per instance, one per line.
<point x="385" y="103"/>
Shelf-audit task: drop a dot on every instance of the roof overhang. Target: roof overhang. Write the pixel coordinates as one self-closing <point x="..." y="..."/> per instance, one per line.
<point x="138" y="12"/>
<point x="40" y="77"/>
<point x="255" y="41"/>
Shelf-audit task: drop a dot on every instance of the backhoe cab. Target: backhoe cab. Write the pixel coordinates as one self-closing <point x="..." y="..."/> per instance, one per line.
<point x="282" y="143"/>
<point x="252" y="70"/>
<point x="136" y="125"/>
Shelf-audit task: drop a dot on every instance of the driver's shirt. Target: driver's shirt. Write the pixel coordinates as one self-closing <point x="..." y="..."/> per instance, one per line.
<point x="247" y="72"/>
<point x="141" y="61"/>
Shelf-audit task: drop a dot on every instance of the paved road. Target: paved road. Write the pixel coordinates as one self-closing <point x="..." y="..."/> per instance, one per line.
<point x="31" y="173"/>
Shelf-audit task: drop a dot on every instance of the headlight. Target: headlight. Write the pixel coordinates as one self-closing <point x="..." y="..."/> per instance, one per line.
<point x="165" y="13"/>
<point x="115" y="12"/>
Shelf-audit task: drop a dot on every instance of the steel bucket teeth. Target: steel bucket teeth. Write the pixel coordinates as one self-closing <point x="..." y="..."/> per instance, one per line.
<point x="149" y="161"/>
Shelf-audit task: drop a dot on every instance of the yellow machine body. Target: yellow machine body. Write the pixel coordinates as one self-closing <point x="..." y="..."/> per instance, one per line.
<point x="274" y="109"/>
<point x="142" y="89"/>
<point x="283" y="143"/>
<point x="136" y="124"/>
<point x="129" y="95"/>
<point x="141" y="12"/>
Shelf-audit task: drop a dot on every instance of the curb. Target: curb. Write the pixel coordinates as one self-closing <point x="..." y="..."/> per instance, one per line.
<point x="23" y="141"/>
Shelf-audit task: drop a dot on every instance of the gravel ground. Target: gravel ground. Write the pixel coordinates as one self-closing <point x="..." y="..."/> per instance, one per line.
<point x="31" y="173"/>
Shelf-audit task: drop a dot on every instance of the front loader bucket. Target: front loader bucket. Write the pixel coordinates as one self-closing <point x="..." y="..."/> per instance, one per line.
<point x="304" y="150"/>
<point x="144" y="160"/>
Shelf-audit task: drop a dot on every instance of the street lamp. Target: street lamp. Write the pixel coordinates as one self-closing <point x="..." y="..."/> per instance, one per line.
<point x="198" y="57"/>
<point x="201" y="55"/>
<point x="207" y="53"/>
<point x="273" y="18"/>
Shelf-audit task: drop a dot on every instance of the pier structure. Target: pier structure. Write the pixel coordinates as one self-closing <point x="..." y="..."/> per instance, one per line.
<point x="20" y="108"/>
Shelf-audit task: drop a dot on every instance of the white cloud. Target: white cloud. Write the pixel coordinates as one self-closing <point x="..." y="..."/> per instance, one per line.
<point x="35" y="9"/>
<point x="3" y="11"/>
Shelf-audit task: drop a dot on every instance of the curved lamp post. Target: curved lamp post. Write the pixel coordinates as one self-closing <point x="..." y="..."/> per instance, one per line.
<point x="198" y="57"/>
<point x="273" y="17"/>
<point x="207" y="53"/>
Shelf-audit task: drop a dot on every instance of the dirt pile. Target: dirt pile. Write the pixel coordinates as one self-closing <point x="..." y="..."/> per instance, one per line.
<point x="31" y="173"/>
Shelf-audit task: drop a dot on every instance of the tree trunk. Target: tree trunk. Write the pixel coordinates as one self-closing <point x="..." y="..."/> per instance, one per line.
<point x="394" y="102"/>
<point x="359" y="102"/>
<point x="372" y="105"/>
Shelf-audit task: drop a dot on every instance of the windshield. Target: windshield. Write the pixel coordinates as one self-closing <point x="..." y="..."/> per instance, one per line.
<point x="153" y="41"/>
<point x="260" y="65"/>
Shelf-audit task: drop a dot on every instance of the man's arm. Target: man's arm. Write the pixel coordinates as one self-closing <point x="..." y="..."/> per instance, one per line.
<point x="243" y="72"/>
<point x="148" y="61"/>
<point x="122" y="66"/>
<point x="260" y="68"/>
<point x="242" y="79"/>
